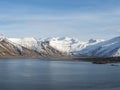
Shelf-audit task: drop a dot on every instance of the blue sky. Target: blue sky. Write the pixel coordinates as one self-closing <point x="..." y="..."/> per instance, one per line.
<point x="83" y="19"/>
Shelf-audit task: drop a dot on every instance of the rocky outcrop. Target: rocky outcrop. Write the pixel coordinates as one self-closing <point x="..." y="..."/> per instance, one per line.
<point x="47" y="50"/>
<point x="7" y="49"/>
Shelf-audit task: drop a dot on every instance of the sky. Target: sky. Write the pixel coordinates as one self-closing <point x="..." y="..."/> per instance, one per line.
<point x="83" y="19"/>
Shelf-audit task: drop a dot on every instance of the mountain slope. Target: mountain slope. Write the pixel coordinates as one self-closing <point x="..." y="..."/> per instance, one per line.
<point x="69" y="45"/>
<point x="66" y="46"/>
<point x="108" y="48"/>
<point x="7" y="49"/>
<point x="92" y="48"/>
<point x="43" y="48"/>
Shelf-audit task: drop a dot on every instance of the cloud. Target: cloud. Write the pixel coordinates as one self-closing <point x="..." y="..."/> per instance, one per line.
<point x="59" y="23"/>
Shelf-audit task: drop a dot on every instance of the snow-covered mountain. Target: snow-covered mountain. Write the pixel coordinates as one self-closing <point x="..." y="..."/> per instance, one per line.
<point x="30" y="43"/>
<point x="65" y="44"/>
<point x="43" y="48"/>
<point x="7" y="49"/>
<point x="68" y="46"/>
<point x="92" y="48"/>
<point x="108" y="48"/>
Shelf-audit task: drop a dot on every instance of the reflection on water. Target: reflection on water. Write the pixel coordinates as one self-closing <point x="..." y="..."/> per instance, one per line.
<point x="48" y="74"/>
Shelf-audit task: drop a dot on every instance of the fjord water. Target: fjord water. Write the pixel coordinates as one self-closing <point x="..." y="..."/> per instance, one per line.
<point x="49" y="74"/>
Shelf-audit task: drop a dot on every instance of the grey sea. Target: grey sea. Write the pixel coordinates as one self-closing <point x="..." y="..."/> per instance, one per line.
<point x="51" y="74"/>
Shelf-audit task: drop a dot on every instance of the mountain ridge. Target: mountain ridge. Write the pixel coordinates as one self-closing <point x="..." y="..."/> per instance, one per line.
<point x="62" y="46"/>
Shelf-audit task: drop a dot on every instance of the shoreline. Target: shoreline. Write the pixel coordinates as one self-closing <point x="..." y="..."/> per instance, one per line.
<point x="95" y="60"/>
<point x="99" y="60"/>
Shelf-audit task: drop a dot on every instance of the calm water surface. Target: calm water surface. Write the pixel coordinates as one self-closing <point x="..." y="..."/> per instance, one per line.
<point x="48" y="74"/>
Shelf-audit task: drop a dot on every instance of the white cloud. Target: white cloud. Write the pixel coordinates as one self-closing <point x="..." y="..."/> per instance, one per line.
<point x="79" y="24"/>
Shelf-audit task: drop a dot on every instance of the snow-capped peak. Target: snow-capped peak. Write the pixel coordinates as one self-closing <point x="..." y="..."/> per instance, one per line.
<point x="96" y="48"/>
<point x="30" y="42"/>
<point x="108" y="48"/>
<point x="95" y="40"/>
<point x="66" y="44"/>
<point x="2" y="37"/>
